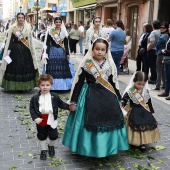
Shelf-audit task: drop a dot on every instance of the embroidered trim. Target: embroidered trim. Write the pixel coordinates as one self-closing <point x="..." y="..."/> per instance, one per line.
<point x="19" y="35"/>
<point x="137" y="98"/>
<point x="94" y="71"/>
<point x="56" y="37"/>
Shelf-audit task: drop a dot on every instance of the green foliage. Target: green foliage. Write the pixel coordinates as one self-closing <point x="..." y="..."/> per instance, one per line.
<point x="55" y="162"/>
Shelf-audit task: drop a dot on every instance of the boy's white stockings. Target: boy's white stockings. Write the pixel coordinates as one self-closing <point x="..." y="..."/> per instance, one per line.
<point x="51" y="143"/>
<point x="43" y="145"/>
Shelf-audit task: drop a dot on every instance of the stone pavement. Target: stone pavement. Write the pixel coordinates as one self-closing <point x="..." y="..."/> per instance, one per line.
<point x="19" y="148"/>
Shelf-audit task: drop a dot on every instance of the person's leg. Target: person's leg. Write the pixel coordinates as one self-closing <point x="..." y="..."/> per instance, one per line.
<point x="71" y="45"/>
<point x="152" y="64"/>
<point x="167" y="78"/>
<point x="42" y="136"/>
<point x="74" y="45"/>
<point x="116" y="58"/>
<point x="159" y="71"/>
<point x="53" y="135"/>
<point x="163" y="76"/>
<point x="81" y="44"/>
<point x="145" y="64"/>
<point x="138" y="61"/>
<point x="76" y="41"/>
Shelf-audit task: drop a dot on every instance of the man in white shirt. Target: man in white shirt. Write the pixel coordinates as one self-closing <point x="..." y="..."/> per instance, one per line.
<point x="81" y="29"/>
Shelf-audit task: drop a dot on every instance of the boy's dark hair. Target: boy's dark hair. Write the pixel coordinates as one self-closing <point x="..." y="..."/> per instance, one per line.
<point x="156" y="24"/>
<point x="120" y="24"/>
<point x="140" y="76"/>
<point x="45" y="77"/>
<point x="100" y="40"/>
<point x="148" y="27"/>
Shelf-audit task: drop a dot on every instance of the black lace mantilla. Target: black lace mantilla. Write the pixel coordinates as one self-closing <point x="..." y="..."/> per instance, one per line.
<point x="142" y="128"/>
<point x="104" y="128"/>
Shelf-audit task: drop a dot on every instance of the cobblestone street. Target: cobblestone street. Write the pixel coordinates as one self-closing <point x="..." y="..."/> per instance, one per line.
<point x="19" y="148"/>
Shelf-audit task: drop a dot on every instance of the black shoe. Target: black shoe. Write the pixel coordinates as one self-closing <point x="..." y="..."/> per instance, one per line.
<point x="51" y="151"/>
<point x="163" y="94"/>
<point x="167" y="98"/>
<point x="43" y="155"/>
<point x="142" y="148"/>
<point x="156" y="88"/>
<point x="151" y="82"/>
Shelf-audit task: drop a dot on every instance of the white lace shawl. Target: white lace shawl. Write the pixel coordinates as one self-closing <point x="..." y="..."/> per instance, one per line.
<point x="145" y="92"/>
<point x="109" y="61"/>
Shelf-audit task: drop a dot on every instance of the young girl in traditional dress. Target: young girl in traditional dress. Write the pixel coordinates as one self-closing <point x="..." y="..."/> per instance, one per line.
<point x="56" y="51"/>
<point x="19" y="69"/>
<point x="141" y="124"/>
<point x="44" y="111"/>
<point x="96" y="128"/>
<point x="94" y="32"/>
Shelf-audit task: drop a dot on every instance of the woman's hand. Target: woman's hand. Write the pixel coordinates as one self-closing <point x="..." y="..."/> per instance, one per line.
<point x="38" y="120"/>
<point x="120" y="103"/>
<point x="153" y="114"/>
<point x="72" y="107"/>
<point x="68" y="57"/>
<point x="163" y="51"/>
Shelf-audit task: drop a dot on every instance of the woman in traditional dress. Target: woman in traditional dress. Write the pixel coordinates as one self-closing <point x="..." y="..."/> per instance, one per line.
<point x="141" y="124"/>
<point x="94" y="32"/>
<point x="56" y="52"/>
<point x="96" y="128"/>
<point x="19" y="64"/>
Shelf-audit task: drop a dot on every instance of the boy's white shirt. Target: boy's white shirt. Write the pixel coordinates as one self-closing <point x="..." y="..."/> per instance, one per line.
<point x="45" y="106"/>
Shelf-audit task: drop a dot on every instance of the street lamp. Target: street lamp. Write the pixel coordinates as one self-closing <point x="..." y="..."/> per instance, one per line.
<point x="20" y="5"/>
<point x="37" y="13"/>
<point x="36" y="7"/>
<point x="20" y="8"/>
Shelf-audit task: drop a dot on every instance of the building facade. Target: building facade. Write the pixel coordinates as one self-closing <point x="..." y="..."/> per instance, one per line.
<point x="82" y="10"/>
<point x="133" y="13"/>
<point x="1" y="7"/>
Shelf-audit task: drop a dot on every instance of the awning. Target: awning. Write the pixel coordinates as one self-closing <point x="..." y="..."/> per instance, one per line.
<point x="86" y="6"/>
<point x="46" y="9"/>
<point x="71" y="10"/>
<point x="31" y="13"/>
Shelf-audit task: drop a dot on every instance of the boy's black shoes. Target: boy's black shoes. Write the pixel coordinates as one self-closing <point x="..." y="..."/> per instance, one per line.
<point x="43" y="155"/>
<point x="51" y="151"/>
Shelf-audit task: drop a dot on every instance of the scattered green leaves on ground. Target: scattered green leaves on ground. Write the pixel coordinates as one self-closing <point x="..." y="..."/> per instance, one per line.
<point x="55" y="162"/>
<point x="158" y="148"/>
<point x="13" y="168"/>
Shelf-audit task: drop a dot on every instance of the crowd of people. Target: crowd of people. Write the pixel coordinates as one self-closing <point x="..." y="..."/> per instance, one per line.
<point x="101" y="121"/>
<point x="153" y="55"/>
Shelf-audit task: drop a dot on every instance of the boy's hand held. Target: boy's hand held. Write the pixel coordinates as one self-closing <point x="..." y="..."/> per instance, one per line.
<point x="38" y="120"/>
<point x="72" y="107"/>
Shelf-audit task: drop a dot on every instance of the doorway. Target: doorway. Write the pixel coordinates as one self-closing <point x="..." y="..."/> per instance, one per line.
<point x="164" y="12"/>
